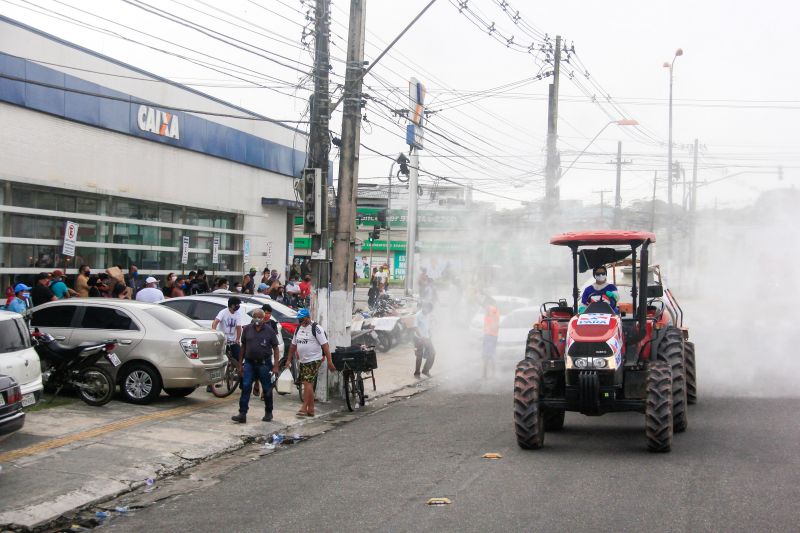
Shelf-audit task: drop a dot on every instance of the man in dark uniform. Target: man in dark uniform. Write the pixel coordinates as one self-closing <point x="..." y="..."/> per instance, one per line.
<point x="259" y="341"/>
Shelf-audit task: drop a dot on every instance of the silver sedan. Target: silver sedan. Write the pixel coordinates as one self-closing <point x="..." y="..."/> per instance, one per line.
<point x="159" y="347"/>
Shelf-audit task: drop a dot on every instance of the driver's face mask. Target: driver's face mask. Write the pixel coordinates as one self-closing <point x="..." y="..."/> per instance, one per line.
<point x="601" y="278"/>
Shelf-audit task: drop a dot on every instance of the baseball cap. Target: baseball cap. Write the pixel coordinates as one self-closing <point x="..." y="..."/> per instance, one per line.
<point x="151" y="279"/>
<point x="21" y="287"/>
<point x="262" y="286"/>
<point x="303" y="313"/>
<point x="57" y="273"/>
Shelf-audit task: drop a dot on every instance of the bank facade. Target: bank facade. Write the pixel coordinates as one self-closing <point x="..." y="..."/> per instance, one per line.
<point x="129" y="157"/>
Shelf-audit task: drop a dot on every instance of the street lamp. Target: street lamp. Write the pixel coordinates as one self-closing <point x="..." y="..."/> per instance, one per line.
<point x="622" y="122"/>
<point x="670" y="65"/>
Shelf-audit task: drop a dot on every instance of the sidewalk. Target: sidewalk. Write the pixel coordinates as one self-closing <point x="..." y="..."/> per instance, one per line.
<point x="70" y="456"/>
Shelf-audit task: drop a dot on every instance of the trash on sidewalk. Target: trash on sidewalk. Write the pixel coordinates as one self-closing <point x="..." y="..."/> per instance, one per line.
<point x="122" y="510"/>
<point x="102" y="515"/>
<point x="151" y="485"/>
<point x="492" y="455"/>
<point x="439" y="501"/>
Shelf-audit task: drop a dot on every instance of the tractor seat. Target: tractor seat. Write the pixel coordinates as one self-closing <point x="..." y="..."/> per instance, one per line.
<point x="600" y="307"/>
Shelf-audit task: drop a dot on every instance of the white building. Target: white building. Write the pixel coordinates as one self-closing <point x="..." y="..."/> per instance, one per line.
<point x="89" y="139"/>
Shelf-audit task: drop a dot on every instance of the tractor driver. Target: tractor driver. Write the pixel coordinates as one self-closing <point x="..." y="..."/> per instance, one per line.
<point x="601" y="289"/>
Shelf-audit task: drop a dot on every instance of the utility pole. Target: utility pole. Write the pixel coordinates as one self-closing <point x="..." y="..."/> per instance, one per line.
<point x="653" y="204"/>
<point x="693" y="203"/>
<point x="319" y="145"/>
<point x="618" y="195"/>
<point x="411" y="220"/>
<point x="343" y="246"/>
<point x="553" y="162"/>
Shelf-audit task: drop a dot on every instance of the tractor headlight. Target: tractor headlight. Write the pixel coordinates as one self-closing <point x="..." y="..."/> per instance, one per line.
<point x="580" y="362"/>
<point x="599" y="362"/>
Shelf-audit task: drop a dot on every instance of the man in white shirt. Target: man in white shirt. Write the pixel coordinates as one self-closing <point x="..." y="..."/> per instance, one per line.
<point x="150" y="293"/>
<point x="230" y="320"/>
<point x="310" y="344"/>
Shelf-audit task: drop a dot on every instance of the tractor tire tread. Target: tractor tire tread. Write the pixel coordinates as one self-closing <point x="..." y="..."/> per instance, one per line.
<point x="691" y="373"/>
<point x="658" y="408"/>
<point x="528" y="414"/>
<point x="670" y="351"/>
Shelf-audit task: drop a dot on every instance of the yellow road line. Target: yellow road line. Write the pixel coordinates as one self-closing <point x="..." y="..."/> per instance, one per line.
<point x="108" y="428"/>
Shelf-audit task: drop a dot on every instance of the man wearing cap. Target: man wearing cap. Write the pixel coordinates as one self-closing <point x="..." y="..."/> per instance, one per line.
<point x="150" y="293"/>
<point x="60" y="288"/>
<point x="41" y="292"/>
<point x="311" y="346"/>
<point x="263" y="289"/>
<point x="20" y="302"/>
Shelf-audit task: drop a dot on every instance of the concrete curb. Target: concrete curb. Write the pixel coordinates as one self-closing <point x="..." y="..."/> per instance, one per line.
<point x="43" y="515"/>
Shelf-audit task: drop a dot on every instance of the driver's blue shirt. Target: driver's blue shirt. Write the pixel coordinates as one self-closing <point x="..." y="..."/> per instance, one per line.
<point x="590" y="291"/>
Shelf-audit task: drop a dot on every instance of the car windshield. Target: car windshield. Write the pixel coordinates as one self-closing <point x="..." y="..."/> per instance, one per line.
<point x="171" y="318"/>
<point x="13" y="336"/>
<point x="520" y="319"/>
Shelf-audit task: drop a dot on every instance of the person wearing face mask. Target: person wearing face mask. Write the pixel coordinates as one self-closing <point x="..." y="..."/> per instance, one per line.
<point x="259" y="342"/>
<point x="20" y="302"/>
<point x="229" y="321"/>
<point x="601" y="287"/>
<point x="82" y="281"/>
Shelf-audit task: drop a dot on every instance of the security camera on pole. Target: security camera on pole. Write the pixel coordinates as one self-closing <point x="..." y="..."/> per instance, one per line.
<point x="414" y="135"/>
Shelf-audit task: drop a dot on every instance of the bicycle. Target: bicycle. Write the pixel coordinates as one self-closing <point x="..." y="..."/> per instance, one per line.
<point x="355" y="365"/>
<point x="230" y="378"/>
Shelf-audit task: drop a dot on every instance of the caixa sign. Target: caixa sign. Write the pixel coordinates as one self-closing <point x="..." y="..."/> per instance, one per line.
<point x="159" y="122"/>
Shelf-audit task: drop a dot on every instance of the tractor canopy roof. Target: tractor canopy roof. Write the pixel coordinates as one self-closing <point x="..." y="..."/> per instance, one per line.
<point x="607" y="237"/>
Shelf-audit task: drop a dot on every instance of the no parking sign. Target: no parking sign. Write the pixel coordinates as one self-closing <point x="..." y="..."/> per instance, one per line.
<point x="70" y="238"/>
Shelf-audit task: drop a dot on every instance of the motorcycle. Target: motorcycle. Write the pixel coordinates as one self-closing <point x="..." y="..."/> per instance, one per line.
<point x="76" y="366"/>
<point x="363" y="333"/>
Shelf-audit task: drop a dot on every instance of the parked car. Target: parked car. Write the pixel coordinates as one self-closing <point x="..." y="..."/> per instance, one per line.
<point x="159" y="347"/>
<point x="204" y="308"/>
<point x="18" y="359"/>
<point x="12" y="417"/>
<point x="282" y="313"/>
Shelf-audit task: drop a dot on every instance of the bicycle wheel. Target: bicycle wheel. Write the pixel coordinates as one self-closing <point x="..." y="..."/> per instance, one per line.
<point x="360" y="390"/>
<point x="350" y="389"/>
<point x="229" y="383"/>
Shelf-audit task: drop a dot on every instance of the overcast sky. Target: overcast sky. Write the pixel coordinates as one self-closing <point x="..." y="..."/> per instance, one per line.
<point x="735" y="87"/>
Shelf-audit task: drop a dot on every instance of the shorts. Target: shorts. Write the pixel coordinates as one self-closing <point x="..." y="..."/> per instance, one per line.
<point x="489" y="346"/>
<point x="309" y="371"/>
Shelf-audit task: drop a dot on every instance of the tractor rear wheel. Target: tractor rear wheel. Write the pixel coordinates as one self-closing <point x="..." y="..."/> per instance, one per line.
<point x="691" y="373"/>
<point x="528" y="414"/>
<point x="658" y="408"/>
<point x="534" y="347"/>
<point x="553" y="419"/>
<point x="670" y="351"/>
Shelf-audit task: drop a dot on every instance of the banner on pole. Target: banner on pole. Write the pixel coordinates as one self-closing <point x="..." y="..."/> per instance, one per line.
<point x="215" y="251"/>
<point x="185" y="250"/>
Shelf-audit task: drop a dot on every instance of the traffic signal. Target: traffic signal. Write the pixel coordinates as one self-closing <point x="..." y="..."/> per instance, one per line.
<point x="382" y="218"/>
<point x="676" y="172"/>
<point x="312" y="201"/>
<point x="375" y="234"/>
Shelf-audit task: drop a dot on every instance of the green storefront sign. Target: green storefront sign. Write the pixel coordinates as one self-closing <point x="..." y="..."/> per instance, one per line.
<point x="367" y="217"/>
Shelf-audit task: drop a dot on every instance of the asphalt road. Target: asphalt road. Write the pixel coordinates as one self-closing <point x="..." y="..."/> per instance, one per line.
<point x="736" y="469"/>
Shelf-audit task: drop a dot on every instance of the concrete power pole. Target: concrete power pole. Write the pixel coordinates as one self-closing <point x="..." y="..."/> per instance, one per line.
<point x="343" y="248"/>
<point x="319" y="146"/>
<point x="411" y="220"/>
<point x="618" y="194"/>
<point x="551" y="175"/>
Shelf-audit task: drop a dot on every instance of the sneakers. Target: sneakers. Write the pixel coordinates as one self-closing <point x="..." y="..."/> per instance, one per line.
<point x="416" y="375"/>
<point x="241" y="418"/>
<point x="267" y="417"/>
<point x="428" y="374"/>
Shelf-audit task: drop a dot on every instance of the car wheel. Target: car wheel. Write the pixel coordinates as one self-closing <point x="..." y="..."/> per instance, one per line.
<point x="140" y="383"/>
<point x="181" y="392"/>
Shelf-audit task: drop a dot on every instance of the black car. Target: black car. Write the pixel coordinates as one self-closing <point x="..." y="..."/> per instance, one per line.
<point x="12" y="417"/>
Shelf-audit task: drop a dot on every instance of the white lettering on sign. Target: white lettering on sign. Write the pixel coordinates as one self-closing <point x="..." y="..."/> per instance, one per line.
<point x="159" y="122"/>
<point x="594" y="319"/>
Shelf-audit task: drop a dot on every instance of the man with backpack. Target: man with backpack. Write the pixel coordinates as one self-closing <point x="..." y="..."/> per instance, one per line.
<point x="310" y="344"/>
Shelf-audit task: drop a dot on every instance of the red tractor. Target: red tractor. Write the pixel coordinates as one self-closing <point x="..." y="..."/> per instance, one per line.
<point x="610" y="356"/>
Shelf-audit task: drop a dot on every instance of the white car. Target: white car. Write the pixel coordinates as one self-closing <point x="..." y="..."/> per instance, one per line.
<point x="513" y="332"/>
<point x="204" y="308"/>
<point x="18" y="359"/>
<point x="505" y="305"/>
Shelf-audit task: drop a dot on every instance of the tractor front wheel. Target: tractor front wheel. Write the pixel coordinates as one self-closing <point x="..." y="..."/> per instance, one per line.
<point x="670" y="351"/>
<point x="534" y="347"/>
<point x="658" y="408"/>
<point x="691" y="373"/>
<point x="528" y="413"/>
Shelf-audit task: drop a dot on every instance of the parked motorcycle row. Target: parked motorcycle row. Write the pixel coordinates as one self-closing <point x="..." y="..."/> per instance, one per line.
<point x="388" y="323"/>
